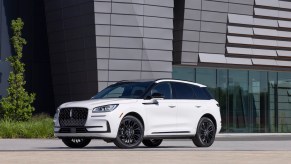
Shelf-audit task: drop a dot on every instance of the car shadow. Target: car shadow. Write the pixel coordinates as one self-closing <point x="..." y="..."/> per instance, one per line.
<point x="114" y="148"/>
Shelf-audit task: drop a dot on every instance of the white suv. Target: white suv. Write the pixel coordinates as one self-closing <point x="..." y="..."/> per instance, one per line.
<point x="148" y="111"/>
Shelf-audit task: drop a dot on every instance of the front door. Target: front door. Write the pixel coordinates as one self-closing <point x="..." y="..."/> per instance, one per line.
<point x="161" y="116"/>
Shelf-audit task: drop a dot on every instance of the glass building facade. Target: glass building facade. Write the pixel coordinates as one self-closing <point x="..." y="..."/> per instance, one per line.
<point x="250" y="100"/>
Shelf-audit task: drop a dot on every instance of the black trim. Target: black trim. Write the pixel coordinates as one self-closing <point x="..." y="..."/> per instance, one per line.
<point x="108" y="127"/>
<point x="189" y="136"/>
<point x="90" y="137"/>
<point x="72" y="129"/>
<point x="79" y="127"/>
<point x="171" y="132"/>
<point x="57" y="132"/>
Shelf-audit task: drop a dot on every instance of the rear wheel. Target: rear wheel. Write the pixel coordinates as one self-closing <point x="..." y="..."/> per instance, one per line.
<point x="205" y="133"/>
<point x="76" y="142"/>
<point x="152" y="142"/>
<point x="130" y="133"/>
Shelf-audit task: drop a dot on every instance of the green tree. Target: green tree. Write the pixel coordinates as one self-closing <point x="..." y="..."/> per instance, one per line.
<point x="17" y="105"/>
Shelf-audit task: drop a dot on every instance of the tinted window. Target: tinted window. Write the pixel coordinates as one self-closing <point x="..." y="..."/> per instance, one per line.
<point x="183" y="91"/>
<point x="117" y="92"/>
<point x="201" y="93"/>
<point x="164" y="89"/>
<point x="124" y="90"/>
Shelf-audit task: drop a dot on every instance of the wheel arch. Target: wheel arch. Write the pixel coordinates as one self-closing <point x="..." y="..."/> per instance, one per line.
<point x="211" y="117"/>
<point x="137" y="116"/>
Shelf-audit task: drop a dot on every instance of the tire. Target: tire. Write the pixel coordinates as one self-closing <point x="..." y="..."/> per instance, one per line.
<point x="76" y="142"/>
<point x="152" y="142"/>
<point x="205" y="133"/>
<point x="130" y="133"/>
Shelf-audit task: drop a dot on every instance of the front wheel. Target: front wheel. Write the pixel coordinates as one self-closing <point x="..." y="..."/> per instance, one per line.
<point x="205" y="133"/>
<point x="152" y="142"/>
<point x="76" y="142"/>
<point x="130" y="133"/>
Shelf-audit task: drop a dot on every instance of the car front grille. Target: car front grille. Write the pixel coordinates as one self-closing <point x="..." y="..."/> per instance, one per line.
<point x="73" y="117"/>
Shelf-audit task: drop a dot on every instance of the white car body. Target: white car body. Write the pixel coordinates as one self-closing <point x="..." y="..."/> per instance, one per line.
<point x="167" y="118"/>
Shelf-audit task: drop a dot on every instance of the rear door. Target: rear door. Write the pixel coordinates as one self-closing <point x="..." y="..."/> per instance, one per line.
<point x="189" y="108"/>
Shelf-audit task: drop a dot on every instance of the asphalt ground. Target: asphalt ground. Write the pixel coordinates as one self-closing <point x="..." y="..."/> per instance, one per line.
<point x="228" y="148"/>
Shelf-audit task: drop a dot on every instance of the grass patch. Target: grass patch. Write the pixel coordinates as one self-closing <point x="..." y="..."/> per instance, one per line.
<point x="39" y="126"/>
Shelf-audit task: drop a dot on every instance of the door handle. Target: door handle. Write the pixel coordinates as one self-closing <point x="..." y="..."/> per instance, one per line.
<point x="151" y="103"/>
<point x="197" y="106"/>
<point x="172" y="106"/>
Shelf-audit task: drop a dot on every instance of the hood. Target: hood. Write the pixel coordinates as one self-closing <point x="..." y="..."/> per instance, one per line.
<point x="96" y="102"/>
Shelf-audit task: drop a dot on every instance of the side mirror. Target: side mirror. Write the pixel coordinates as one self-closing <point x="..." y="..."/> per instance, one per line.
<point x="153" y="99"/>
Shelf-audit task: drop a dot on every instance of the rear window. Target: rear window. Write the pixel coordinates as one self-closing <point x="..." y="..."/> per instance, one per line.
<point x="188" y="91"/>
<point x="183" y="91"/>
<point x="202" y="93"/>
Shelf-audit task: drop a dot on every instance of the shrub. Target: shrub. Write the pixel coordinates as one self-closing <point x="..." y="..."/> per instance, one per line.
<point x="40" y="126"/>
<point x="17" y="105"/>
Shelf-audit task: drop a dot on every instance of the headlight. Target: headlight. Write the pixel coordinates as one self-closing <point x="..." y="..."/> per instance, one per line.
<point x="105" y="108"/>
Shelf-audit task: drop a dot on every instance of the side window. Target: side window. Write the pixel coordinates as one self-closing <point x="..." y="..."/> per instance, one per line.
<point x="183" y="91"/>
<point x="164" y="89"/>
<point x="202" y="93"/>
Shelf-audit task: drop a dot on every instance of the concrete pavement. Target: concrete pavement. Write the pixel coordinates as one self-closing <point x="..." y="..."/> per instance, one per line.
<point x="228" y="148"/>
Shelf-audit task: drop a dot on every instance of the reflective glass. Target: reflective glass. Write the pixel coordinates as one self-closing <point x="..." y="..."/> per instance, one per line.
<point x="273" y="101"/>
<point x="258" y="100"/>
<point x="184" y="73"/>
<point x="207" y="77"/>
<point x="221" y="96"/>
<point x="250" y="101"/>
<point x="284" y="102"/>
<point x="238" y="100"/>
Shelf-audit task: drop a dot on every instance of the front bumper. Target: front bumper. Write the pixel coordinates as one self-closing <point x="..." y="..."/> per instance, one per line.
<point x="103" y="130"/>
<point x="99" y="126"/>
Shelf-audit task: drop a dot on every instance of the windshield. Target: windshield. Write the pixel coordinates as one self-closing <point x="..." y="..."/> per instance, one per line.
<point x="134" y="90"/>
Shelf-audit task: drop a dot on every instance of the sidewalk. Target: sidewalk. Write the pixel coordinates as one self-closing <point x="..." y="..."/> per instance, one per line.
<point x="253" y="136"/>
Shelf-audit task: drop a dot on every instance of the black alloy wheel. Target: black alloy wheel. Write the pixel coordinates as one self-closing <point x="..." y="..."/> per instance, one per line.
<point x="152" y="142"/>
<point x="76" y="142"/>
<point x="130" y="133"/>
<point x="205" y="133"/>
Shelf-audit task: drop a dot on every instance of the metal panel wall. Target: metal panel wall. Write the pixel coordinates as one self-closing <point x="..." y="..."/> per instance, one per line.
<point x="72" y="45"/>
<point x="270" y="43"/>
<point x="256" y="32"/>
<point x="133" y="39"/>
<point x="94" y="43"/>
<point x="199" y="27"/>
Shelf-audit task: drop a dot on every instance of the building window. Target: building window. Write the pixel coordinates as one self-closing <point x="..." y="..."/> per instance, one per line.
<point x="250" y="100"/>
